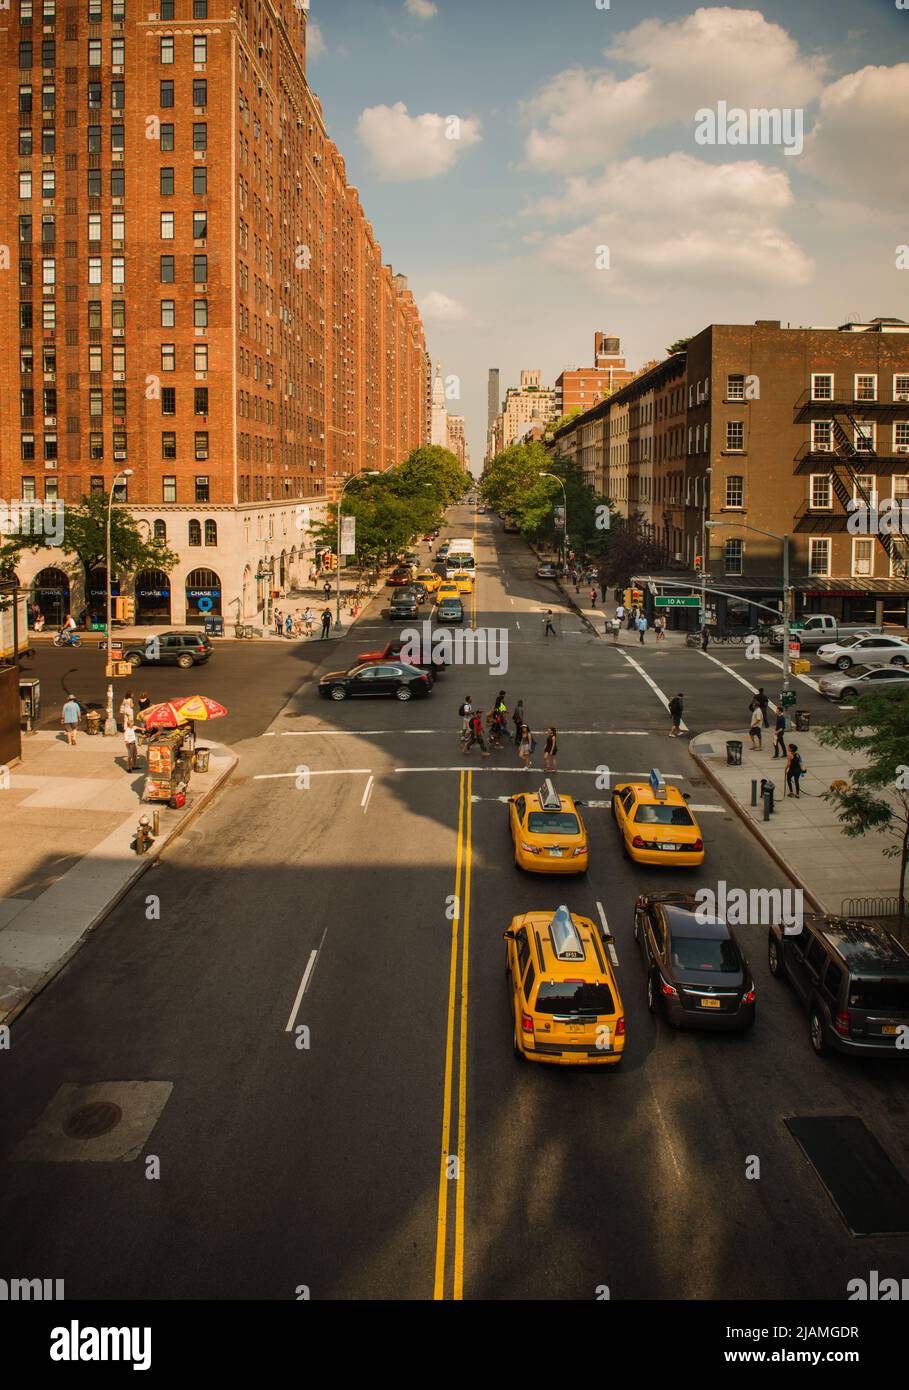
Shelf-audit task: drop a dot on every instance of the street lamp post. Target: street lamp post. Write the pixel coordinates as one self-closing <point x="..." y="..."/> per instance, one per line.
<point x="110" y="723"/>
<point x="565" y="527"/>
<point x="787" y="595"/>
<point x="704" y="487"/>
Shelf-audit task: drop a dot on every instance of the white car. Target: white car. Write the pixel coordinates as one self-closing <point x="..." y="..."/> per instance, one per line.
<point x="862" y="679"/>
<point x="876" y="650"/>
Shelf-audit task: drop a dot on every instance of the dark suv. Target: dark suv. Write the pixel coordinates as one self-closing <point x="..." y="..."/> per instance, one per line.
<point x="183" y="649"/>
<point x="854" y="981"/>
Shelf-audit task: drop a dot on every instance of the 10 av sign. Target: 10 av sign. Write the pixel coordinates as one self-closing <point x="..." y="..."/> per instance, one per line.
<point x="677" y="601"/>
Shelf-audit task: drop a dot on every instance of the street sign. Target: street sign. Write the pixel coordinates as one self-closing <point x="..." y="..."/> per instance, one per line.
<point x="795" y="648"/>
<point x="677" y="601"/>
<point x="559" y="518"/>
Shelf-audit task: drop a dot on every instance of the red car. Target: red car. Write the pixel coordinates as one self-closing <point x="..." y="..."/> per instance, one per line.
<point x="401" y="577"/>
<point x="391" y="652"/>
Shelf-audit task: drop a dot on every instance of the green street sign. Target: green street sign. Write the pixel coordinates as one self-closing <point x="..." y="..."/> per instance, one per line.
<point x="677" y="601"/>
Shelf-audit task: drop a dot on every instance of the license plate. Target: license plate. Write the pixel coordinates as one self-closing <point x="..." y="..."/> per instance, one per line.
<point x="665" y="846"/>
<point x="710" y="1003"/>
<point x="890" y="1029"/>
<point x="556" y="853"/>
<point x="575" y="1028"/>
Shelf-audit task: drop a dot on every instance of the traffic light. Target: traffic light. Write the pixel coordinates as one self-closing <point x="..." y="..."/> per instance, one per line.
<point x="637" y="597"/>
<point x="124" y="610"/>
<point x="331" y="560"/>
<point x="698" y="564"/>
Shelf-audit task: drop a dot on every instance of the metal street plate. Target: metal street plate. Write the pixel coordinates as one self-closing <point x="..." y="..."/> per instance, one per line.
<point x="677" y="601"/>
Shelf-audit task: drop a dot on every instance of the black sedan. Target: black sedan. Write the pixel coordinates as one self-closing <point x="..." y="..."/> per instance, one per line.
<point x="696" y="971"/>
<point x="376" y="678"/>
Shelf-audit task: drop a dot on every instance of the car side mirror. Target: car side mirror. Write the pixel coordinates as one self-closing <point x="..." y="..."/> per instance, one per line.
<point x="686" y="796"/>
<point x="508" y="935"/>
<point x="578" y="803"/>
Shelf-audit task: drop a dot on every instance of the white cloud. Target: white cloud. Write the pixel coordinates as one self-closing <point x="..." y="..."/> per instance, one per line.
<point x="679" y="216"/>
<point x="315" y="41"/>
<point x="421" y="9"/>
<point x="441" y="308"/>
<point x="856" y="145"/>
<point x="585" y="116"/>
<point x="405" y="147"/>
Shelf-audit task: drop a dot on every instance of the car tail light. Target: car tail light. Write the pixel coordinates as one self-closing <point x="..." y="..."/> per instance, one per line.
<point x="530" y="849"/>
<point x="668" y="990"/>
<point x="620" y="1027"/>
<point x="425" y="679"/>
<point x="637" y="842"/>
<point x="749" y="997"/>
<point x="843" y="1024"/>
<point x="526" y="1023"/>
<point x="581" y="849"/>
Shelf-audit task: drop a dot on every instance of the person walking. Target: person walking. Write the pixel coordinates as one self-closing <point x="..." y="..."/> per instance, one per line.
<point x="69" y="718"/>
<point x="326" y="623"/>
<point x="550" y="749"/>
<point x="465" y="712"/>
<point x="614" y="625"/>
<point x="779" y="743"/>
<point x="632" y="619"/>
<point x="279" y="622"/>
<point x="764" y="706"/>
<point x="620" y="613"/>
<point x="757" y="725"/>
<point x="705" y="637"/>
<point x="659" y="627"/>
<point x="127" y="710"/>
<point x="525" y="747"/>
<point x="326" y="589"/>
<point x="288" y="626"/>
<point x="132" y="746"/>
<point x="794" y="771"/>
<point x="676" y="705"/>
<point x="476" y="734"/>
<point x="517" y="716"/>
<point x="309" y="619"/>
<point x="642" y="628"/>
<point x="593" y="596"/>
<point x="548" y="625"/>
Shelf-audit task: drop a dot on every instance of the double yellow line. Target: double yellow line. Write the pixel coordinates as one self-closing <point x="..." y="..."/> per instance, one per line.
<point x="453" y="1162"/>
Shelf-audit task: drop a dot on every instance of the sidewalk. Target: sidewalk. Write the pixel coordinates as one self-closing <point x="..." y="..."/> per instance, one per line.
<point x="67" y="819"/>
<point x="803" y="835"/>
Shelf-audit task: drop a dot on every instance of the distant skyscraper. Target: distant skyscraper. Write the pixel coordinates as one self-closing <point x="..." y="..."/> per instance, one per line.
<point x="438" y="433"/>
<point x="493" y="397"/>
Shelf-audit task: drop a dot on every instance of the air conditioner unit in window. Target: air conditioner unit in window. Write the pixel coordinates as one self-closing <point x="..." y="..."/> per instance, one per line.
<point x="902" y="395"/>
<point x="119" y="453"/>
<point x="901" y="449"/>
<point x="822" y="448"/>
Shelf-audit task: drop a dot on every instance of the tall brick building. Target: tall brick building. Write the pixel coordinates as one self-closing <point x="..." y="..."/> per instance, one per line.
<point x="194" y="293"/>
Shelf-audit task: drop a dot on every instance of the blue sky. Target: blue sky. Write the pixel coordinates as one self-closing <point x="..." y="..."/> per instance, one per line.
<point x="564" y="148"/>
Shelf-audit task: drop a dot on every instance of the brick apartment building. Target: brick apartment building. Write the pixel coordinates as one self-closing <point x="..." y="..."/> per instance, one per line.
<point x="769" y="427"/>
<point x="195" y="294"/>
<point x="579" y="388"/>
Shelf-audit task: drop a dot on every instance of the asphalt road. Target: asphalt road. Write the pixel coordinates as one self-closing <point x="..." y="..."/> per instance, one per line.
<point x="400" y="1150"/>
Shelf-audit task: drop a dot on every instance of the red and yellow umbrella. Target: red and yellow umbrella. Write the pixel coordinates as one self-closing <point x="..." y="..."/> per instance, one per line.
<point x="198" y="707"/>
<point x="163" y="716"/>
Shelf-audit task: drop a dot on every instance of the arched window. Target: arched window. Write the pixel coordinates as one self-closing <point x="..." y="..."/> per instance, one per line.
<point x="211" y="532"/>
<point x="195" y="532"/>
<point x="160" y="530"/>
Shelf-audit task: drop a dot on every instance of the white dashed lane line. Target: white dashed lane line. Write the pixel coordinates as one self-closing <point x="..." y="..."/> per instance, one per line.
<point x="663" y="699"/>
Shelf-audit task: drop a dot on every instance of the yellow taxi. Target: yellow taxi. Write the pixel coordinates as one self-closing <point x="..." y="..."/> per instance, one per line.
<point x="548" y="832"/>
<point x="430" y="580"/>
<point x="447" y="590"/>
<point x="566" y="1003"/>
<point x="464" y="582"/>
<point x="656" y="825"/>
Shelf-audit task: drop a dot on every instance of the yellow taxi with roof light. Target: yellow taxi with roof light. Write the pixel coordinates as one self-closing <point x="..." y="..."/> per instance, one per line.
<point x="656" y="824"/>
<point x="464" y="582"/>
<point x="548" y="832"/>
<point x="565" y="999"/>
<point x="430" y="580"/>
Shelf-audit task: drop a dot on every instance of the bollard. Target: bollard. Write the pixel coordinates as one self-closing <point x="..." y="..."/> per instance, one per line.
<point x="767" y="790"/>
<point x="754" y="792"/>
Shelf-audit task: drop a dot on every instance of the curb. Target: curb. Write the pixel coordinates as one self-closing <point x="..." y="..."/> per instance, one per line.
<point x="143" y="862"/>
<point x="755" y="829"/>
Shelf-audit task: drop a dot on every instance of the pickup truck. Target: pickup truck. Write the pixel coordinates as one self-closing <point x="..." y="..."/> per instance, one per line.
<point x="818" y="629"/>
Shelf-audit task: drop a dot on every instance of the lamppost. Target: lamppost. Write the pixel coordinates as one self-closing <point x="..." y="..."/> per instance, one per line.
<point x="787" y="590"/>
<point x="264" y="574"/>
<point x="565" y="528"/>
<point x="704" y="525"/>
<point x="110" y="723"/>
<point x="367" y="473"/>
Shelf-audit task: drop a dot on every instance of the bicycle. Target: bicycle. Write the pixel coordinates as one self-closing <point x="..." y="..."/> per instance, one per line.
<point x="64" y="639"/>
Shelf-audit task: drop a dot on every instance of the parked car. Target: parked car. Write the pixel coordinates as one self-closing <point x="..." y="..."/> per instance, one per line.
<point x="862" y="679"/>
<point x="183" y="649"/>
<point x="852" y="978"/>
<point x="376" y="678"/>
<point x="819" y="628"/>
<point x="875" y="650"/>
<point x="696" y="970"/>
<point x="546" y="570"/>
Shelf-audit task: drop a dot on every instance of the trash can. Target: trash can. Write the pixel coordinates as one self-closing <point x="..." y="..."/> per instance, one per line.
<point x="93" y="721"/>
<point x="802" y="721"/>
<point x="734" y="752"/>
<point x="200" y="760"/>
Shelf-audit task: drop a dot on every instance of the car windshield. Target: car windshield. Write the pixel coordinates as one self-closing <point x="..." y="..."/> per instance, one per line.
<point x="883" y="996"/>
<point x="553" y="823"/>
<point x="847" y="641"/>
<point x="663" y="815"/>
<point x="574" y="997"/>
<point x="706" y="954"/>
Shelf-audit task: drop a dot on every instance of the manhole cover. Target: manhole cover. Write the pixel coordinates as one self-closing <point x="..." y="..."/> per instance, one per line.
<point x="92" y="1120"/>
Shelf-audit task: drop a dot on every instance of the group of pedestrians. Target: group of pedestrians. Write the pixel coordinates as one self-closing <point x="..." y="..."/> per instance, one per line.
<point x="301" y="623"/>
<point x="635" y="620"/>
<point x="760" y="720"/>
<point x="492" y="729"/>
<point x="131" y="708"/>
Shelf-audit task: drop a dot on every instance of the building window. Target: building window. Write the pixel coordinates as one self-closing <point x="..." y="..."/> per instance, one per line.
<point x="200" y="400"/>
<point x="117" y="52"/>
<point x="200" y="225"/>
<point x="201" y="444"/>
<point x="118" y="226"/>
<point x="95" y="362"/>
<point x="168" y="357"/>
<point x="25" y="183"/>
<point x="735" y="435"/>
<point x="200" y="135"/>
<point x="48" y="183"/>
<point x="94" y="53"/>
<point x="865" y="386"/>
<point x="200" y="91"/>
<point x="96" y="445"/>
<point x="211" y="532"/>
<point x="200" y="270"/>
<point x="118" y="313"/>
<point x="27" y="447"/>
<point x="864" y="436"/>
<point x="200" y="9"/>
<point x="166" y="93"/>
<point x="93" y="180"/>
<point x="194" y="532"/>
<point x="28" y="489"/>
<point x="200" y="313"/>
<point x="118" y="94"/>
<point x="821" y="492"/>
<point x="168" y="313"/>
<point x="168" y="444"/>
<point x="117" y="137"/>
<point x="167" y="226"/>
<point x="821" y="386"/>
<point x="169" y="489"/>
<point x="167" y="136"/>
<point x="821" y="436"/>
<point x="117" y="183"/>
<point x="94" y="139"/>
<point x="166" y="181"/>
<point x="50" y="448"/>
<point x="864" y="486"/>
<point x="200" y="357"/>
<point x="901" y="437"/>
<point x="733" y="551"/>
<point x="118" y="270"/>
<point x="168" y="400"/>
<point x="167" y="270"/>
<point x="200" y="180"/>
<point x="901" y="386"/>
<point x="159" y="530"/>
<point x="166" y="48"/>
<point x="94" y="270"/>
<point x="735" y="387"/>
<point x="735" y="490"/>
<point x="200" y="48"/>
<point x="862" y="556"/>
<point x="202" y="488"/>
<point x="818" y="555"/>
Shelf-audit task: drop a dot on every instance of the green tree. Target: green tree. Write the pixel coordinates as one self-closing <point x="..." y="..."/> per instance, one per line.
<point x="628" y="549"/>
<point x="512" y="485"/>
<point x="877" y="795"/>
<point x="679" y="345"/>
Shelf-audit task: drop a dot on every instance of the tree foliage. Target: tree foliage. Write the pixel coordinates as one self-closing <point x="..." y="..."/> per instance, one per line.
<point x="513" y="485"/>
<point x="877" y="796"/>
<point x="85" y="537"/>
<point x="679" y="345"/>
<point x="628" y="550"/>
